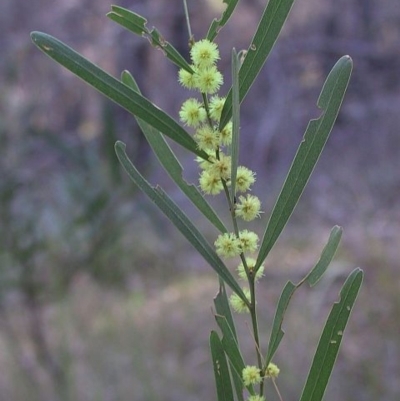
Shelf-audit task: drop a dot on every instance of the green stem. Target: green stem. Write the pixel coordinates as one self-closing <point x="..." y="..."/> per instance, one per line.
<point x="187" y="20"/>
<point x="206" y="106"/>
<point x="251" y="279"/>
<point x="253" y="314"/>
<point x="250" y="276"/>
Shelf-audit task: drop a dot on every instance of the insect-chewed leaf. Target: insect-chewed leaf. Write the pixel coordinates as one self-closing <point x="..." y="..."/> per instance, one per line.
<point x="331" y="338"/>
<point x="308" y="153"/>
<point x="277" y="332"/>
<point x="129" y="20"/>
<point x="137" y="24"/>
<point x="221" y="371"/>
<point x="222" y="307"/>
<point x="326" y="256"/>
<point x="224" y="311"/>
<point x="169" y="50"/>
<point x="217" y="24"/>
<point x="230" y="344"/>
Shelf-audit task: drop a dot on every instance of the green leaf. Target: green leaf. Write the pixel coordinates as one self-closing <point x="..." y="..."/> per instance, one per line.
<point x="331" y="338"/>
<point x="327" y="255"/>
<point x="277" y="332"/>
<point x="308" y="153"/>
<point x="238" y="384"/>
<point x="171" y="164"/>
<point x="230" y="344"/>
<point x="232" y="351"/>
<point x="235" y="122"/>
<point x="129" y="20"/>
<point x="267" y="32"/>
<point x="137" y="24"/>
<point x="179" y="219"/>
<point x="217" y="24"/>
<point x="221" y="371"/>
<point x="311" y="278"/>
<point x="223" y="309"/>
<point x="115" y="90"/>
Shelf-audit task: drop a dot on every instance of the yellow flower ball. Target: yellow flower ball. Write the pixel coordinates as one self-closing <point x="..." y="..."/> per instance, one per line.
<point x="204" y="53"/>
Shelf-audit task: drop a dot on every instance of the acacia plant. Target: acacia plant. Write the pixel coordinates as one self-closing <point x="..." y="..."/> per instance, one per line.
<point x="214" y="124"/>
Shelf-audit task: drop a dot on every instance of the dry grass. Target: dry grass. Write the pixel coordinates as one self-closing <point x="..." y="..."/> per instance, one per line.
<point x="153" y="343"/>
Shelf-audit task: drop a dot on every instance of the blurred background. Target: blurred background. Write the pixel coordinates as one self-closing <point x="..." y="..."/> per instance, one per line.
<point x="100" y="297"/>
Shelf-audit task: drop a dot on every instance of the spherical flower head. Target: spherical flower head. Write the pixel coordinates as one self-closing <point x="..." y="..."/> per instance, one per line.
<point x="272" y="371"/>
<point x="228" y="245"/>
<point x="222" y="166"/>
<point x="256" y="398"/>
<point x="248" y="207"/>
<point x="192" y="113"/>
<point x="187" y="79"/>
<point x="250" y="265"/>
<point x="208" y="80"/>
<point x="206" y="137"/>
<point x="237" y="303"/>
<point x="204" y="53"/>
<point x="245" y="178"/>
<point x="226" y="135"/>
<point x="251" y="375"/>
<point x="210" y="183"/>
<point x="216" y="105"/>
<point x="248" y="240"/>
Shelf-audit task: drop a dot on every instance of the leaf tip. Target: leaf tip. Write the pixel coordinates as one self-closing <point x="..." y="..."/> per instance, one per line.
<point x="35" y="36"/>
<point x="119" y="146"/>
<point x="337" y="229"/>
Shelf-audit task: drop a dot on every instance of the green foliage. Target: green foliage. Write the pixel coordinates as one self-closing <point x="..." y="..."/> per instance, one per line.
<point x="137" y="24"/>
<point x="217" y="24"/>
<point x="311" y="278"/>
<point x="221" y="371"/>
<point x="218" y="160"/>
<point x="115" y="90"/>
<point x="171" y="164"/>
<point x="267" y="33"/>
<point x="308" y="153"/>
<point x="331" y="338"/>
<point x="179" y="219"/>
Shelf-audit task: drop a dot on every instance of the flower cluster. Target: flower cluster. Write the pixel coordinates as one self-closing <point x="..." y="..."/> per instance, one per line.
<point x="230" y="245"/>
<point x="215" y="173"/>
<point x="205" y="77"/>
<point x="237" y="303"/>
<point x="251" y="375"/>
<point x="272" y="371"/>
<point x="251" y="263"/>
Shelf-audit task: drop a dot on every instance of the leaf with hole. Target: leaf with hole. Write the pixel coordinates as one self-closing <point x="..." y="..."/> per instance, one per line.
<point x="331" y="338"/>
<point x="221" y="370"/>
